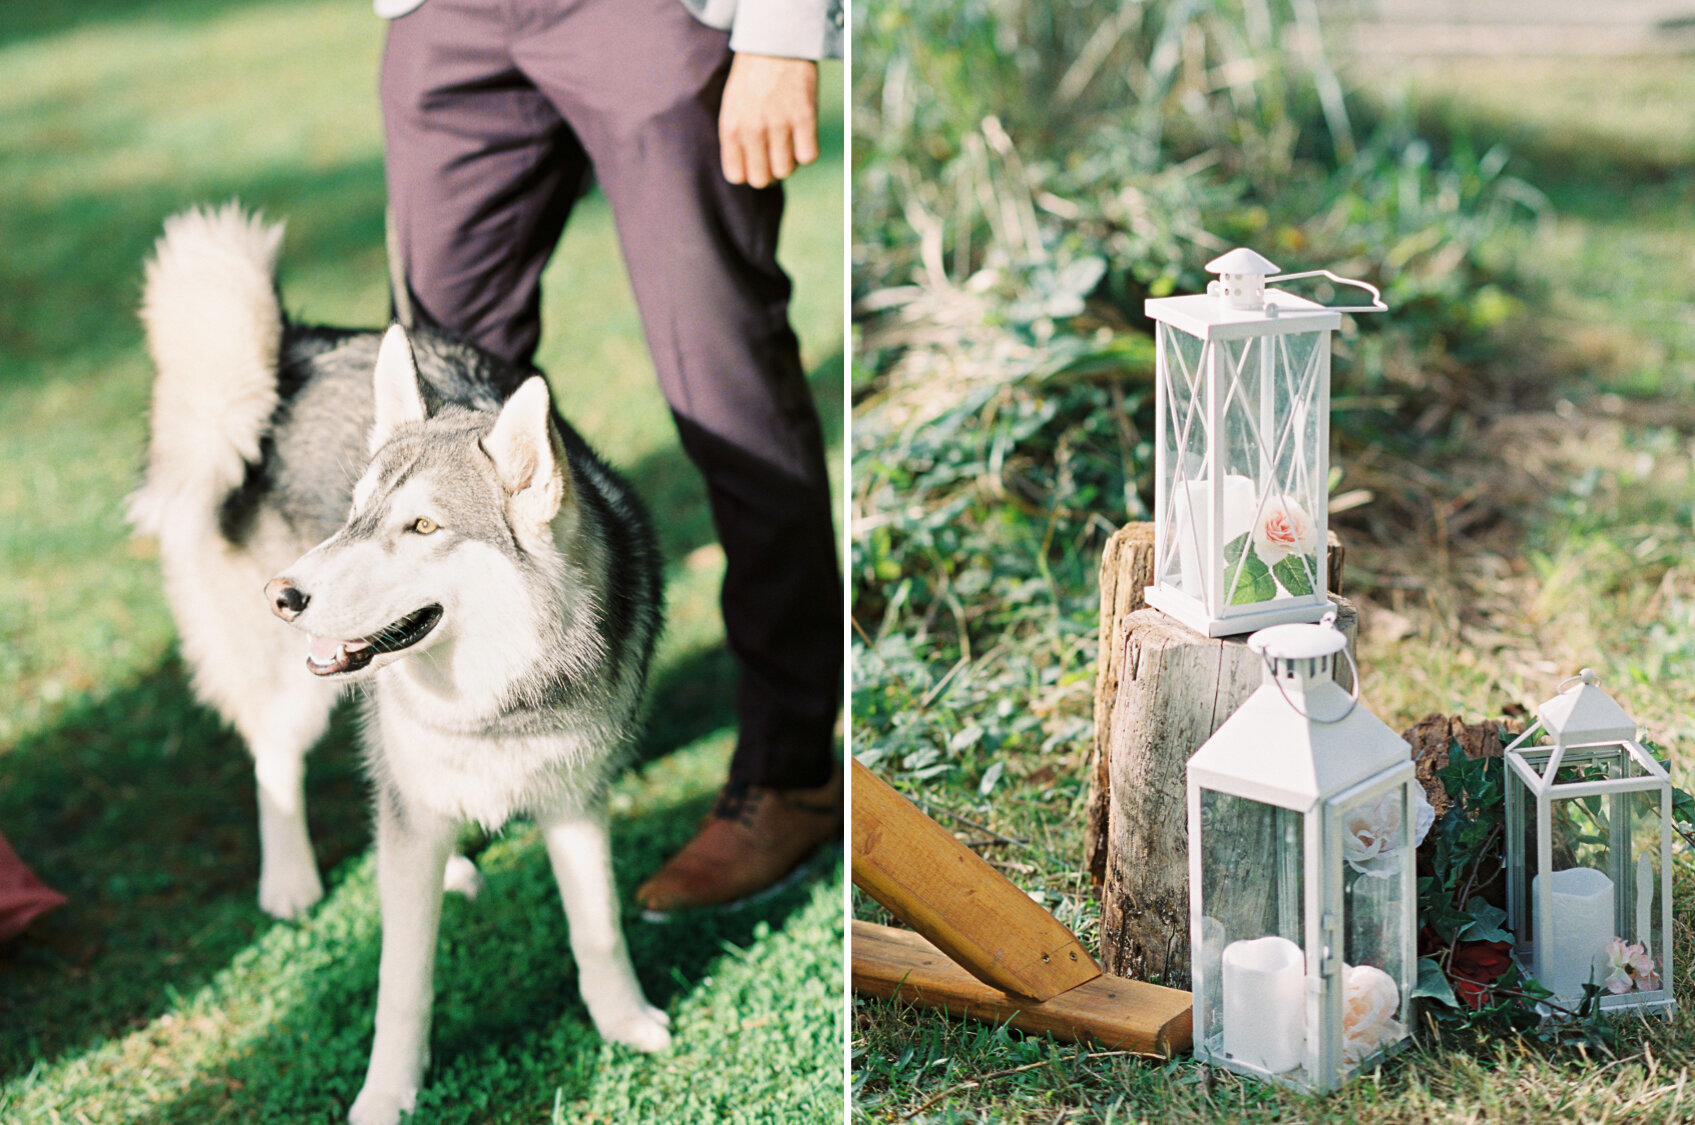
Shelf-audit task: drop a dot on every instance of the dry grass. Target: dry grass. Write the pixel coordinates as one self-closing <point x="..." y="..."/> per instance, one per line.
<point x="1550" y="545"/>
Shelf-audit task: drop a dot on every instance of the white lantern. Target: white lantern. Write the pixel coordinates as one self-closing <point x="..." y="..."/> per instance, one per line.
<point x="1589" y="853"/>
<point x="1302" y="896"/>
<point x="1242" y="449"/>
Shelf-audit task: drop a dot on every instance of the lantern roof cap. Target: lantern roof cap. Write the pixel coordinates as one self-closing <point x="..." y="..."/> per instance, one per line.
<point x="1241" y="261"/>
<point x="1270" y="751"/>
<point x="1299" y="641"/>
<point x="1205" y="316"/>
<point x="1581" y="713"/>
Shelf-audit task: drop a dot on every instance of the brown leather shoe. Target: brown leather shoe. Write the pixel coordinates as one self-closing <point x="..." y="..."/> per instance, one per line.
<point x="750" y="842"/>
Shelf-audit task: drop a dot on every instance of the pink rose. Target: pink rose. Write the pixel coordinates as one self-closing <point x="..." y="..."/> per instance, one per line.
<point x="1630" y="967"/>
<point x="1284" y="528"/>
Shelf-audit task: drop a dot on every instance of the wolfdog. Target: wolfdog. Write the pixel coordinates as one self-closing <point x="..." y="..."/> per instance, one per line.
<point x="433" y="531"/>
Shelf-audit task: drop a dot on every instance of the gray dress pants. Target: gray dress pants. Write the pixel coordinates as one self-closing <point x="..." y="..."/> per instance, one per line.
<point x="495" y="113"/>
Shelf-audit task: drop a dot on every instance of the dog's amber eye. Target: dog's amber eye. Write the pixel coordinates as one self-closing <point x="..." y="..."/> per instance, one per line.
<point x="423" y="525"/>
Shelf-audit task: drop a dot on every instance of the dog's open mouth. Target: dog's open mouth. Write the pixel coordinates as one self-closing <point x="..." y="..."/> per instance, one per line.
<point x="333" y="658"/>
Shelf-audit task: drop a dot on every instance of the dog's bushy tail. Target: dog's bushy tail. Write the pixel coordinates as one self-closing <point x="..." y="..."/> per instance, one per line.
<point x="214" y="328"/>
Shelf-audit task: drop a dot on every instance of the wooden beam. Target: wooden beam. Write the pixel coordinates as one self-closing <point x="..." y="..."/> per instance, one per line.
<point x="945" y="891"/>
<point x="1118" y="1014"/>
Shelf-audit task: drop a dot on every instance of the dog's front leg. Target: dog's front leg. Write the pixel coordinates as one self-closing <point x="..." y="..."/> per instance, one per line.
<point x="412" y="850"/>
<point x="288" y="874"/>
<point x="280" y="731"/>
<point x="578" y="845"/>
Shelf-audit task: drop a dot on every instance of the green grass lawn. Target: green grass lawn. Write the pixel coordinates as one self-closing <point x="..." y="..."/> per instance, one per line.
<point x="161" y="993"/>
<point x="1584" y="477"/>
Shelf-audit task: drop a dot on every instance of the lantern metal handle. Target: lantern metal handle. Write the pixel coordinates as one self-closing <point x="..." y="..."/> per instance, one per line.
<point x="1584" y="676"/>
<point x="1353" y="696"/>
<point x="1376" y="305"/>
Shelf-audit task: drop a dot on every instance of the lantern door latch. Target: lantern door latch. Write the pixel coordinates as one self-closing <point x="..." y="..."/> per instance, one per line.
<point x="1329" y="961"/>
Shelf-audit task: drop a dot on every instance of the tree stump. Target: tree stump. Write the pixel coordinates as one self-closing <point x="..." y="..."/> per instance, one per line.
<point x="1161" y="691"/>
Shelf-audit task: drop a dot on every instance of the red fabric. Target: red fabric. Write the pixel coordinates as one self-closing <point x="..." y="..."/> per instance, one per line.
<point x="1477" y="965"/>
<point x="23" y="897"/>
<point x="1474" y="967"/>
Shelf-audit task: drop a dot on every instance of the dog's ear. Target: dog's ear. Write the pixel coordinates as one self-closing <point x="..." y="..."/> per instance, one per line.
<point x="528" y="455"/>
<point x="400" y="398"/>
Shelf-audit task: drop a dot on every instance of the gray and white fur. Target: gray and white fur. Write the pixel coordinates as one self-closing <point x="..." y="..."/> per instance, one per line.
<point x="431" y="529"/>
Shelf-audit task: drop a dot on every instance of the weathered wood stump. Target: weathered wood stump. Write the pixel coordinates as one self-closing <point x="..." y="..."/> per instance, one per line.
<point x="1162" y="689"/>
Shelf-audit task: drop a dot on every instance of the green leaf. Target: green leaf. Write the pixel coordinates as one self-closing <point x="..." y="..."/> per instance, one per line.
<point x="1433" y="983"/>
<point x="1486" y="922"/>
<point x="1233" y="549"/>
<point x="966" y="738"/>
<point x="990" y="778"/>
<point x="1253" y="581"/>
<point x="1295" y="572"/>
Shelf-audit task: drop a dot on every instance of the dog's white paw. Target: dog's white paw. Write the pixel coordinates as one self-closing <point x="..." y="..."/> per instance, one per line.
<point x="643" y="1027"/>
<point x="462" y="877"/>
<point x="287" y="891"/>
<point x="381" y="1107"/>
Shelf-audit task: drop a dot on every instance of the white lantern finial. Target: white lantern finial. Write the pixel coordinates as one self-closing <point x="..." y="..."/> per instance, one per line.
<point x="1242" y="274"/>
<point x="1298" y="656"/>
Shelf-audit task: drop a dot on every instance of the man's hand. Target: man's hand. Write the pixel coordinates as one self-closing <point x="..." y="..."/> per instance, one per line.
<point x="769" y="121"/>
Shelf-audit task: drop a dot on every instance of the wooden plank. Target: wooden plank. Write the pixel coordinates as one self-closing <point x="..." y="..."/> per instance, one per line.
<point x="1116" y="1013"/>
<point x="945" y="891"/>
<point x="1126" y="571"/>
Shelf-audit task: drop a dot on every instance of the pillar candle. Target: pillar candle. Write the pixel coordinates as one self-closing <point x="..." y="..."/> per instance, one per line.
<point x="1570" y="939"/>
<point x="1190" y="524"/>
<point x="1265" y="1012"/>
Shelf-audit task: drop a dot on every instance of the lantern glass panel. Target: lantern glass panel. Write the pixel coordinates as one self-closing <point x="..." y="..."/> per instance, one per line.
<point x="1185" y="425"/>
<point x="1251" y="969"/>
<point x="1271" y="433"/>
<point x="1603" y="920"/>
<point x="1375" y="893"/>
<point x="1266" y="445"/>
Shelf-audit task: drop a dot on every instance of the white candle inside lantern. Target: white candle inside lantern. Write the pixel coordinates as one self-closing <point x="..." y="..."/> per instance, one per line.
<point x="1576" y="932"/>
<point x="1191" y="525"/>
<point x="1265" y="1003"/>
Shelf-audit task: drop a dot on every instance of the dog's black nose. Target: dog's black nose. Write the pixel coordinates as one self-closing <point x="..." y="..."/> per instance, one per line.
<point x="287" y="600"/>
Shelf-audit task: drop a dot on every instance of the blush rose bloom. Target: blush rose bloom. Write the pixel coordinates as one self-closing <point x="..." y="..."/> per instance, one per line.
<point x="1370" y="1002"/>
<point x="1631" y="967"/>
<point x="1284" y="529"/>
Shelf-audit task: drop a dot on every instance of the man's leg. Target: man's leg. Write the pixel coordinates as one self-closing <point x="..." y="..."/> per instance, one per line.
<point x="640" y="81"/>
<point x="482" y="174"/>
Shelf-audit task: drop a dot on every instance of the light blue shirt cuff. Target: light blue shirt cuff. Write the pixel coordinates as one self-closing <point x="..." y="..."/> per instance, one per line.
<point x="795" y="29"/>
